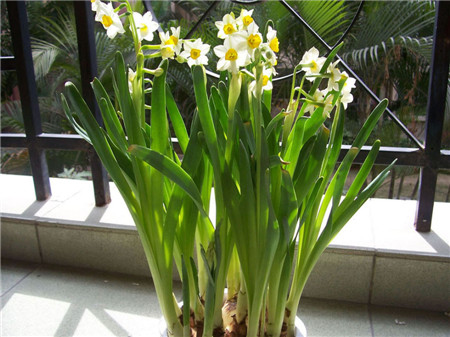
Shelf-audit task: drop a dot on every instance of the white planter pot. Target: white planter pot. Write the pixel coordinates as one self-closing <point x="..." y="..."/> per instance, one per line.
<point x="300" y="329"/>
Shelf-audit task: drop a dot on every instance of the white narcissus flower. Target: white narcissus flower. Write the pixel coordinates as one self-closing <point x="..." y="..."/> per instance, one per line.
<point x="95" y="4"/>
<point x="328" y="103"/>
<point x="317" y="97"/>
<point x="145" y="26"/>
<point x="312" y="63"/>
<point x="346" y="98"/>
<point x="254" y="39"/>
<point x="227" y="26"/>
<point x="231" y="56"/>
<point x="167" y="46"/>
<point x="325" y="98"/>
<point x="175" y="37"/>
<point x="269" y="56"/>
<point x="131" y="76"/>
<point x="349" y="84"/>
<point x="266" y="81"/>
<point x="244" y="19"/>
<point x="195" y="52"/>
<point x="335" y="76"/>
<point x="272" y="40"/>
<point x="109" y="19"/>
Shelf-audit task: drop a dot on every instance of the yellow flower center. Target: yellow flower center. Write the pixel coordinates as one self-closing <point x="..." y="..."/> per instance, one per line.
<point x="254" y="41"/>
<point x="92" y="1"/>
<point x="174" y="39"/>
<point x="107" y="21"/>
<point x="265" y="80"/>
<point x="314" y="67"/>
<point x="229" y="29"/>
<point x="247" y="20"/>
<point x="144" y="28"/>
<point x="171" y="41"/>
<point x="274" y="45"/>
<point x="231" y="55"/>
<point x="195" y="53"/>
<point x="167" y="52"/>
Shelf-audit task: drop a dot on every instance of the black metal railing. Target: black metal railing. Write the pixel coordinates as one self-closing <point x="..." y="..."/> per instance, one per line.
<point x="428" y="156"/>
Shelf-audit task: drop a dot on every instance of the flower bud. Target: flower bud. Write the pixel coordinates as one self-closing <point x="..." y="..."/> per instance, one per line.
<point x="159" y="72"/>
<point x="180" y="59"/>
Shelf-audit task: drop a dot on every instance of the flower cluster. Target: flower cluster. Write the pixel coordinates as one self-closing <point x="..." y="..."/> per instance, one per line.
<point x="143" y="28"/>
<point x="243" y="44"/>
<point x="338" y="82"/>
<point x="243" y="47"/>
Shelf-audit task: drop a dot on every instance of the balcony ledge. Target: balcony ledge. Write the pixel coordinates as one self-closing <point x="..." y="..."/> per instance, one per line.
<point x="378" y="258"/>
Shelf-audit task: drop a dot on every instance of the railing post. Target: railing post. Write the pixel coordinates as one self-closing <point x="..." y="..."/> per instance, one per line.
<point x="88" y="70"/>
<point x="435" y="116"/>
<point x="23" y="61"/>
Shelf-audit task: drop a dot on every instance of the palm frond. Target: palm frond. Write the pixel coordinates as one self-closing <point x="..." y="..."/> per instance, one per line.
<point x="63" y="31"/>
<point x="11" y="117"/>
<point x="421" y="46"/>
<point x="44" y="55"/>
<point x="328" y="18"/>
<point x="386" y="20"/>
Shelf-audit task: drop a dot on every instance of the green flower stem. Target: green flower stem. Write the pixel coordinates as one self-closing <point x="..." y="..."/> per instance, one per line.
<point x="133" y="28"/>
<point x="138" y="95"/>
<point x="235" y="89"/>
<point x="294" y="75"/>
<point x="150" y="47"/>
<point x="152" y="56"/>
<point x="255" y="294"/>
<point x="291" y="114"/>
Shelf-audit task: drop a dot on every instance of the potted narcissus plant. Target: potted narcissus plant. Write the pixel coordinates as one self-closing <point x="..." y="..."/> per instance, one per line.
<point x="275" y="180"/>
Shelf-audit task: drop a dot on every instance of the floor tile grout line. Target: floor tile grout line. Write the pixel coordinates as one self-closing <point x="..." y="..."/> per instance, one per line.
<point x="369" y="311"/>
<point x="372" y="278"/>
<point x="369" y="301"/>
<point x="38" y="242"/>
<point x="18" y="282"/>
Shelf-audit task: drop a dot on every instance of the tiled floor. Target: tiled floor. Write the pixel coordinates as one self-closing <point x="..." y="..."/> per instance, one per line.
<point x="42" y="300"/>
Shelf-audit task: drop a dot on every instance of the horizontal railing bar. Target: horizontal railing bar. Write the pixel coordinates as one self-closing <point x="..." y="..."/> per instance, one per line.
<point x="405" y="156"/>
<point x="386" y="155"/>
<point x="46" y="141"/>
<point x="7" y="63"/>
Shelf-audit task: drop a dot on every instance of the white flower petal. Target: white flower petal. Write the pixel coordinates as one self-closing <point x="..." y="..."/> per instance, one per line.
<point x="220" y="51"/>
<point x="223" y="64"/>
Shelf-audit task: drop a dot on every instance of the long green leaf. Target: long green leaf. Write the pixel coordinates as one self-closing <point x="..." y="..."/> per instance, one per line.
<point x="112" y="123"/>
<point x="172" y="171"/>
<point x="116" y="133"/>
<point x="129" y="111"/>
<point x="361" y="138"/>
<point x="312" y="170"/>
<point x="220" y="108"/>
<point x="77" y="127"/>
<point x="204" y="113"/>
<point x="100" y="143"/>
<point x="177" y="120"/>
<point x="360" y="178"/>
